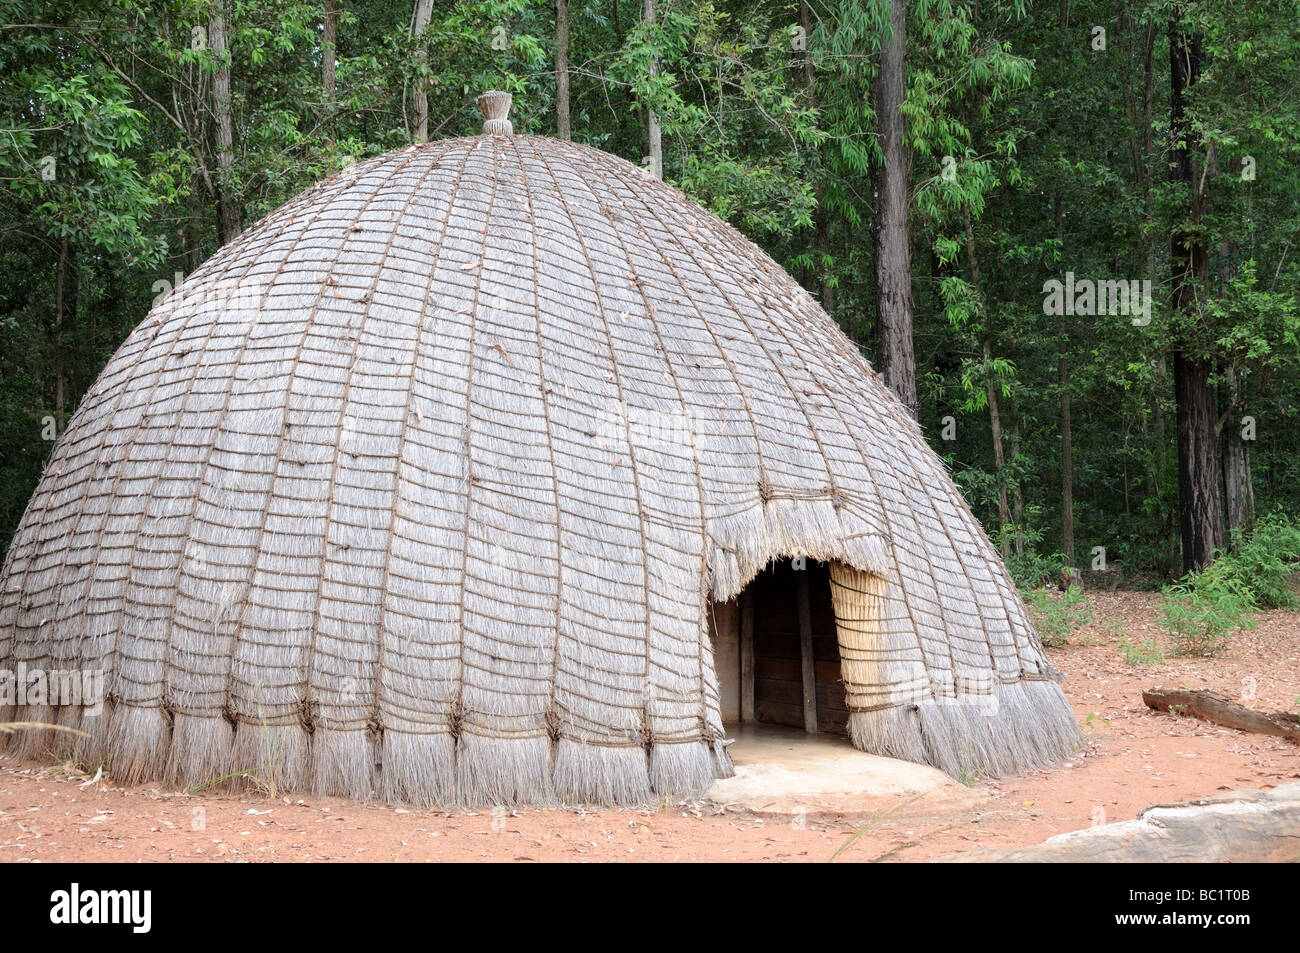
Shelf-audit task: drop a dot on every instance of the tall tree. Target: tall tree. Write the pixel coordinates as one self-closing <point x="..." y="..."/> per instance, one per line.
<point x="223" y="125"/>
<point x="65" y="316"/>
<point x="562" y="69"/>
<point x="420" y="17"/>
<point x="1200" y="505"/>
<point x="329" y="47"/>
<point x="819" y="263"/>
<point x="1238" y="487"/>
<point x="1067" y="435"/>
<point x="895" y="355"/>
<point x="654" y="133"/>
<point x="993" y="390"/>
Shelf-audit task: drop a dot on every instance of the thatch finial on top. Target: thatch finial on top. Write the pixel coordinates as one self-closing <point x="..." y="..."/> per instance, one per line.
<point x="495" y="107"/>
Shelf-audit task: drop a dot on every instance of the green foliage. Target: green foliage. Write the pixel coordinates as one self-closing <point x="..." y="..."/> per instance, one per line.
<point x="1030" y="570"/>
<point x="1012" y="118"/>
<point x="738" y="138"/>
<point x="1203" y="611"/>
<point x="1265" y="562"/>
<point x="1087" y="722"/>
<point x="1146" y="652"/>
<point x="1207" y="607"/>
<point x="1055" y="616"/>
<point x="83" y="130"/>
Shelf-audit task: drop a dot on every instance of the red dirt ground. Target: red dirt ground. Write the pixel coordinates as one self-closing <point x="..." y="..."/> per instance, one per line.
<point x="1134" y="758"/>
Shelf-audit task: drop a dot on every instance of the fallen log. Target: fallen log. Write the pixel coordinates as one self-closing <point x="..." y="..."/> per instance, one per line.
<point x="1222" y="710"/>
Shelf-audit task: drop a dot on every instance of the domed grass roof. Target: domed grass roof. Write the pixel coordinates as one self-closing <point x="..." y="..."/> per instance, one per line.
<point x="424" y="485"/>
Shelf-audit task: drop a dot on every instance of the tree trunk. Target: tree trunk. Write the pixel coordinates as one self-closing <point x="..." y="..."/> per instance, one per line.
<point x="562" y="129"/>
<point x="991" y="390"/>
<point x="1067" y="452"/>
<point x="65" y="315"/>
<point x="1017" y="494"/>
<point x="194" y="231"/>
<point x="329" y="45"/>
<point x="420" y="17"/>
<point x="1143" y="172"/>
<point x="1200" y="509"/>
<point x="821" y="225"/>
<point x="654" y="135"/>
<point x="999" y="462"/>
<point x="805" y="22"/>
<point x="895" y="357"/>
<point x="1158" y="421"/>
<point x="1200" y="503"/>
<point x="1067" y="438"/>
<point x="227" y="211"/>
<point x="1238" y="486"/>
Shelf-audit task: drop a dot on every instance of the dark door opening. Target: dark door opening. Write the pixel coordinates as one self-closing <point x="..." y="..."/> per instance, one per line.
<point x="790" y="657"/>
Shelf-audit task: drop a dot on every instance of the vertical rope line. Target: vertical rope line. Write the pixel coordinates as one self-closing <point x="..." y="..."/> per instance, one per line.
<point x="435" y="155"/>
<point x="245" y="241"/>
<point x="652" y="322"/>
<point x="399" y="163"/>
<point x="546" y="405"/>
<point x="632" y="456"/>
<point x="471" y="152"/>
<point x="686" y="246"/>
<point x="206" y="465"/>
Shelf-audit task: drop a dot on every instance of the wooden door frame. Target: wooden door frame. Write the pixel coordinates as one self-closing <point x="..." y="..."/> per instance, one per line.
<point x="808" y="665"/>
<point x="746" y="601"/>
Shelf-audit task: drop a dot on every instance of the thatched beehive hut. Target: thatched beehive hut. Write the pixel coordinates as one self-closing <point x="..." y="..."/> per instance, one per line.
<point x="430" y="484"/>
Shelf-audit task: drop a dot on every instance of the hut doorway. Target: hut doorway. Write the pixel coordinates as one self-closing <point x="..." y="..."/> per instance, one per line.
<point x="777" y="651"/>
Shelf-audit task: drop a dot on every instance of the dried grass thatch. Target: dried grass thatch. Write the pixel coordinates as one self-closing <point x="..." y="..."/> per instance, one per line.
<point x="421" y="489"/>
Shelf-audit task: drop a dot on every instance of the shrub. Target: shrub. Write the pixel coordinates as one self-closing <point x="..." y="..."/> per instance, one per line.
<point x="1265" y="561"/>
<point x="1143" y="653"/>
<point x="1030" y="570"/>
<point x="1204" y="610"/>
<point x="1055" y="617"/>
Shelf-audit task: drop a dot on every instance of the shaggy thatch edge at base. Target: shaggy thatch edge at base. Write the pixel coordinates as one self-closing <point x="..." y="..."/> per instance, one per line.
<point x="1027" y="724"/>
<point x="422" y="770"/>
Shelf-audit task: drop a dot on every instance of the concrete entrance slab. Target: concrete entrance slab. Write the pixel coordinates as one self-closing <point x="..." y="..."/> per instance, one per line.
<point x="785" y="771"/>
